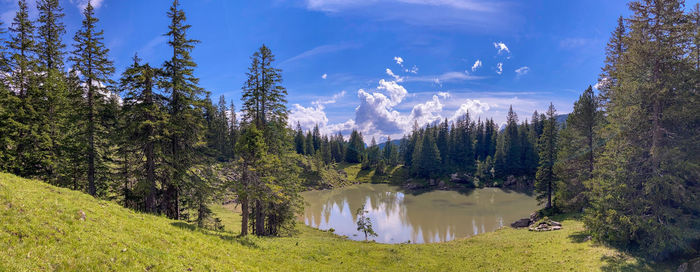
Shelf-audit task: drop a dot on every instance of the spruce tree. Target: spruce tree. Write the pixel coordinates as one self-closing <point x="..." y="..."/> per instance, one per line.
<point x="184" y="108"/>
<point x="644" y="191"/>
<point x="146" y="123"/>
<point x="577" y="151"/>
<point x="90" y="59"/>
<point x="545" y="178"/>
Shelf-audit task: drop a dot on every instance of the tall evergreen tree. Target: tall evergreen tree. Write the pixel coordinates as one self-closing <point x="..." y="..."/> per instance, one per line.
<point x="184" y="107"/>
<point x="146" y="121"/>
<point x="90" y="59"/>
<point x="577" y="151"/>
<point x="545" y="178"/>
<point x="356" y="147"/>
<point x="643" y="193"/>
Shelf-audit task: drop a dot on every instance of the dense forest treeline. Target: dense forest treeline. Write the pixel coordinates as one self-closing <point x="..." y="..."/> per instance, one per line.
<point x="153" y="140"/>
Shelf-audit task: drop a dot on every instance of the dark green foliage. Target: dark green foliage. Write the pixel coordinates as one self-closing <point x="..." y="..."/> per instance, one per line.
<point x="145" y="123"/>
<point x="299" y="141"/>
<point x="578" y="146"/>
<point x="90" y="58"/>
<point x="644" y="194"/>
<point x="355" y="148"/>
<point x="426" y="159"/>
<point x="545" y="178"/>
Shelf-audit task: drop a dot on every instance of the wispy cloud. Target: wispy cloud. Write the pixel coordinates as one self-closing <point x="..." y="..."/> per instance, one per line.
<point x="320" y="50"/>
<point x="477" y="65"/>
<point x="521" y="71"/>
<point x="464" y="14"/>
<point x="499" y="68"/>
<point x="446" y="77"/>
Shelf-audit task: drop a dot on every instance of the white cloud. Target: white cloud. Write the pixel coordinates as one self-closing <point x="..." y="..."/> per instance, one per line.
<point x="474" y="107"/>
<point x="602" y="83"/>
<point x="308" y="117"/>
<point x="426" y="113"/>
<point x="82" y="4"/>
<point x="396" y="91"/>
<point x="449" y="76"/>
<point x="501" y="47"/>
<point x="337" y="5"/>
<point x="413" y="70"/>
<point x="399" y="60"/>
<point x="396" y="77"/>
<point x="444" y="95"/>
<point x="320" y="50"/>
<point x="499" y="68"/>
<point x="324" y="76"/>
<point x="522" y="71"/>
<point x="477" y="65"/>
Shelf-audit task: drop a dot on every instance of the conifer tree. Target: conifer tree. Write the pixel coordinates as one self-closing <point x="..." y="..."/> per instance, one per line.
<point x="55" y="104"/>
<point x="545" y="178"/>
<point x="299" y="141"/>
<point x="426" y="159"/>
<point x="643" y="192"/>
<point x="90" y="59"/>
<point x="355" y="149"/>
<point x="577" y="151"/>
<point x="184" y="107"/>
<point x="146" y="121"/>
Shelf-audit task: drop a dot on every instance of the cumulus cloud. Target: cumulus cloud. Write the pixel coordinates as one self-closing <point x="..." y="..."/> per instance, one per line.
<point x="477" y="65"/>
<point x="499" y="68"/>
<point x="398" y="60"/>
<point x="473" y="107"/>
<point x="324" y="76"/>
<point x="426" y="113"/>
<point x="501" y="47"/>
<point x="444" y="95"/>
<point x="396" y="92"/>
<point x="308" y="117"/>
<point x="522" y="71"/>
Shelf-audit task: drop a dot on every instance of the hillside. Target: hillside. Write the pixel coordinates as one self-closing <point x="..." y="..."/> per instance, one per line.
<point x="48" y="228"/>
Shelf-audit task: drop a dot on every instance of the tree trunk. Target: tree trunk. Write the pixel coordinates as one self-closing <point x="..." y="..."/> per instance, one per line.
<point x="91" y="140"/>
<point x="244" y="215"/>
<point x="259" y="219"/>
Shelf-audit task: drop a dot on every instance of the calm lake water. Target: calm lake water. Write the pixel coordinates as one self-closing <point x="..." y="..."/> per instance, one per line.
<point x="398" y="216"/>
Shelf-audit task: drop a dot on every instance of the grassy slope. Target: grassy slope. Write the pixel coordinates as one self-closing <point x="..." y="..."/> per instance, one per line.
<point x="40" y="229"/>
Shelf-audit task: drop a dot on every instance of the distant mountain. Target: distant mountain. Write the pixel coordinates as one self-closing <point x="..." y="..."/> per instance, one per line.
<point x="395" y="142"/>
<point x="561" y="118"/>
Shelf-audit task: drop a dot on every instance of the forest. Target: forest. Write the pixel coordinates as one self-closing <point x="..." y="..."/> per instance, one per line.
<point x="627" y="159"/>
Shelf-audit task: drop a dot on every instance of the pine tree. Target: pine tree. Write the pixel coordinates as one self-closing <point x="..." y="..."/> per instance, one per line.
<point x="426" y="161"/>
<point x="55" y="104"/>
<point x="355" y="149"/>
<point x="309" y="144"/>
<point x="577" y="151"/>
<point x="90" y="58"/>
<point x="545" y="178"/>
<point x="146" y="121"/>
<point x="184" y="107"/>
<point x="299" y="140"/>
<point x="643" y="192"/>
<point x="264" y="98"/>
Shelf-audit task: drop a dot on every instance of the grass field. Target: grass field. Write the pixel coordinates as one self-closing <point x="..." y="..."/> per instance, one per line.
<point x="42" y="228"/>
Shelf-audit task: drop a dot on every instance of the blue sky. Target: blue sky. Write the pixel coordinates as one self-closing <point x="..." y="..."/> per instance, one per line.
<point x="378" y="65"/>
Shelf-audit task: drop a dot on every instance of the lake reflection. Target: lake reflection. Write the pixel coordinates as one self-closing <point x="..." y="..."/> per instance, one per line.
<point x="398" y="217"/>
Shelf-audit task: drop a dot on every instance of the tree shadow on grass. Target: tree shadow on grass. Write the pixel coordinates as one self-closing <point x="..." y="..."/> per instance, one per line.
<point x="223" y="235"/>
<point x="620" y="262"/>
